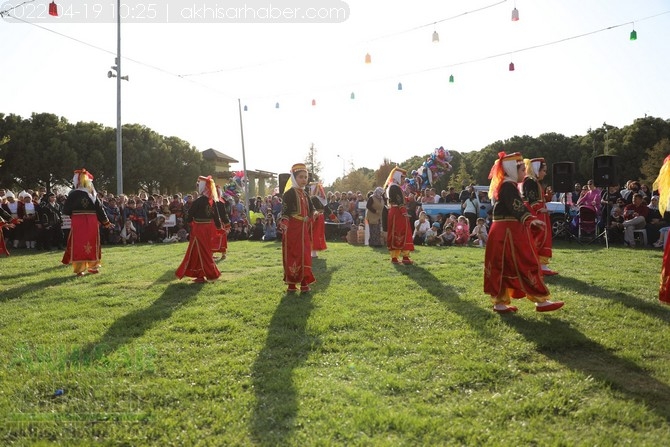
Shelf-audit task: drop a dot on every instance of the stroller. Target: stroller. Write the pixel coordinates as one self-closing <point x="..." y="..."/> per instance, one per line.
<point x="588" y="223"/>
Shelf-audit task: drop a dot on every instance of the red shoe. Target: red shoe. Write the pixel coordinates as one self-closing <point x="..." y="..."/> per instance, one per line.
<point x="291" y="289"/>
<point x="79" y="274"/>
<point x="93" y="271"/>
<point x="304" y="289"/>
<point x="407" y="261"/>
<point x="549" y="307"/>
<point x="549" y="273"/>
<point x="199" y="280"/>
<point x="506" y="310"/>
<point x="395" y="261"/>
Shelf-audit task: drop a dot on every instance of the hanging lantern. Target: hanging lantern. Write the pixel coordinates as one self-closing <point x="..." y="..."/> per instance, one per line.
<point x="368" y="58"/>
<point x="399" y="85"/>
<point x="451" y="79"/>
<point x="633" y="35"/>
<point x="277" y="106"/>
<point x="352" y="95"/>
<point x="313" y="102"/>
<point x="245" y="108"/>
<point x="436" y="37"/>
<point x="515" y="15"/>
<point x="53" y="9"/>
<point x="511" y="66"/>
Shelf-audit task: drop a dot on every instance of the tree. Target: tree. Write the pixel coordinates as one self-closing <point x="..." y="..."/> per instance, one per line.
<point x="313" y="166"/>
<point x="654" y="160"/>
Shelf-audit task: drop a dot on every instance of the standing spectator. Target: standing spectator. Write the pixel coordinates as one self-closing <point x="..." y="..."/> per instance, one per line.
<point x="471" y="209"/>
<point x="198" y="263"/>
<point x="373" y="216"/>
<point x="27" y="210"/>
<point x="51" y="220"/>
<point x="296" y="213"/>
<point x="511" y="268"/>
<point x="83" y="244"/>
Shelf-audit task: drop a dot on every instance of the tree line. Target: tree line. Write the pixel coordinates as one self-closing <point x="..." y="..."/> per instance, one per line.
<point x="44" y="149"/>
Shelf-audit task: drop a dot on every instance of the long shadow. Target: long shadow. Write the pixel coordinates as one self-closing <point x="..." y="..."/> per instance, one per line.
<point x="133" y="325"/>
<point x="33" y="272"/>
<point x="572" y="348"/>
<point x="647" y="307"/>
<point x="18" y="292"/>
<point x="287" y="346"/>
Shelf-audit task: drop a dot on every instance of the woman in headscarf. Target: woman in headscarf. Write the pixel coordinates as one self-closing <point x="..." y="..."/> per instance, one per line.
<point x="296" y="215"/>
<point x="198" y="262"/>
<point x="662" y="184"/>
<point x="534" y="198"/>
<point x="511" y="266"/>
<point x="373" y="216"/>
<point x="87" y="213"/>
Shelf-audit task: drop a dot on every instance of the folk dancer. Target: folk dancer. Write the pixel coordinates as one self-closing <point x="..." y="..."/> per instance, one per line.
<point x="399" y="232"/>
<point x="296" y="216"/>
<point x="511" y="266"/>
<point x="535" y="201"/>
<point x="86" y="212"/>
<point x="198" y="262"/>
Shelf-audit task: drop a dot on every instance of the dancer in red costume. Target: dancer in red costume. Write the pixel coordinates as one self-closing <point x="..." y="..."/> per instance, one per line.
<point x="6" y="221"/>
<point x="83" y="243"/>
<point x="220" y="239"/>
<point x="511" y="267"/>
<point x="399" y="232"/>
<point x="296" y="216"/>
<point x="198" y="263"/>
<point x="318" y="227"/>
<point x="534" y="198"/>
<point x="662" y="184"/>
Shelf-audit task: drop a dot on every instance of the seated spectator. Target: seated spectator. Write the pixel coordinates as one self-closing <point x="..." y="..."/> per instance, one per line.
<point x="431" y="234"/>
<point x="257" y="231"/>
<point x="462" y="231"/>
<point x="182" y="233"/>
<point x="447" y="237"/>
<point x="156" y="231"/>
<point x="270" y="228"/>
<point x="177" y="206"/>
<point x="129" y="234"/>
<point x="421" y="225"/>
<point x="480" y="233"/>
<point x="654" y="220"/>
<point x="635" y="218"/>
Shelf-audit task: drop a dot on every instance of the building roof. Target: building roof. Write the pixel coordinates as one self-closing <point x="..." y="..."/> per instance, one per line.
<point x="213" y="154"/>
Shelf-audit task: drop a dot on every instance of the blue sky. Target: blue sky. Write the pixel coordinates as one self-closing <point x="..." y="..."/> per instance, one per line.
<point x="186" y="77"/>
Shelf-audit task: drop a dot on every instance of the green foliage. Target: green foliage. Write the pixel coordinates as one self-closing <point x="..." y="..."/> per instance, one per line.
<point x="376" y="355"/>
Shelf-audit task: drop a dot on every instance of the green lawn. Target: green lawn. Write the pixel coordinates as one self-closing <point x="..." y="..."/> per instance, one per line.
<point x="377" y="354"/>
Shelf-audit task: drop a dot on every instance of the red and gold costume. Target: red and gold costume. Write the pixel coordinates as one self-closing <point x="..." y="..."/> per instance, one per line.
<point x="318" y="226"/>
<point x="662" y="184"/>
<point x="86" y="212"/>
<point x="220" y="239"/>
<point x="399" y="231"/>
<point x="6" y="220"/>
<point x="198" y="263"/>
<point x="511" y="265"/>
<point x="297" y="211"/>
<point x="534" y="199"/>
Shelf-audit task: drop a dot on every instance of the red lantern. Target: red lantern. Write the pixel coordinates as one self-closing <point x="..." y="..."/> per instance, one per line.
<point x="313" y="102"/>
<point x="53" y="9"/>
<point x="511" y="66"/>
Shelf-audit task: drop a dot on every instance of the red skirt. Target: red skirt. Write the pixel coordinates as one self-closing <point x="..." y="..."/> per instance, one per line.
<point x="83" y="243"/>
<point x="542" y="236"/>
<point x="511" y="263"/>
<point x="198" y="262"/>
<point x="664" y="291"/>
<point x="399" y="235"/>
<point x="297" y="252"/>
<point x="219" y="240"/>
<point x="3" y="247"/>
<point x="319" y="233"/>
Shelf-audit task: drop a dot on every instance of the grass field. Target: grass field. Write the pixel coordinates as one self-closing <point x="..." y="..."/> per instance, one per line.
<point x="376" y="355"/>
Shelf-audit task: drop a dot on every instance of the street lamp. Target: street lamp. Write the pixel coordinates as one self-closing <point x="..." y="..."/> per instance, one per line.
<point x="110" y="74"/>
<point x="341" y="158"/>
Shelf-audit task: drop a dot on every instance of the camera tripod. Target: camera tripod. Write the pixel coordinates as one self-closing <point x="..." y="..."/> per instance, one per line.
<point x="563" y="227"/>
<point x="605" y="233"/>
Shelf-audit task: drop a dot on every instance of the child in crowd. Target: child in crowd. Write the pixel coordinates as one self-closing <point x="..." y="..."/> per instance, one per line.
<point x="462" y="231"/>
<point x="257" y="231"/>
<point x="129" y="234"/>
<point x="431" y="234"/>
<point x="480" y="232"/>
<point x="270" y="228"/>
<point x="448" y="237"/>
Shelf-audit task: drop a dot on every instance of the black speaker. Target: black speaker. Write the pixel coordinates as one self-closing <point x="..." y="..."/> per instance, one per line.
<point x="283" y="178"/>
<point x="563" y="175"/>
<point x="604" y="171"/>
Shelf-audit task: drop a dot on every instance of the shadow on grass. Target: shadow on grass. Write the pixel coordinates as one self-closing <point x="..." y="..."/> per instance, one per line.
<point x="287" y="346"/>
<point x="133" y="325"/>
<point x="561" y="342"/>
<point x="647" y="307"/>
<point x="34" y="287"/>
